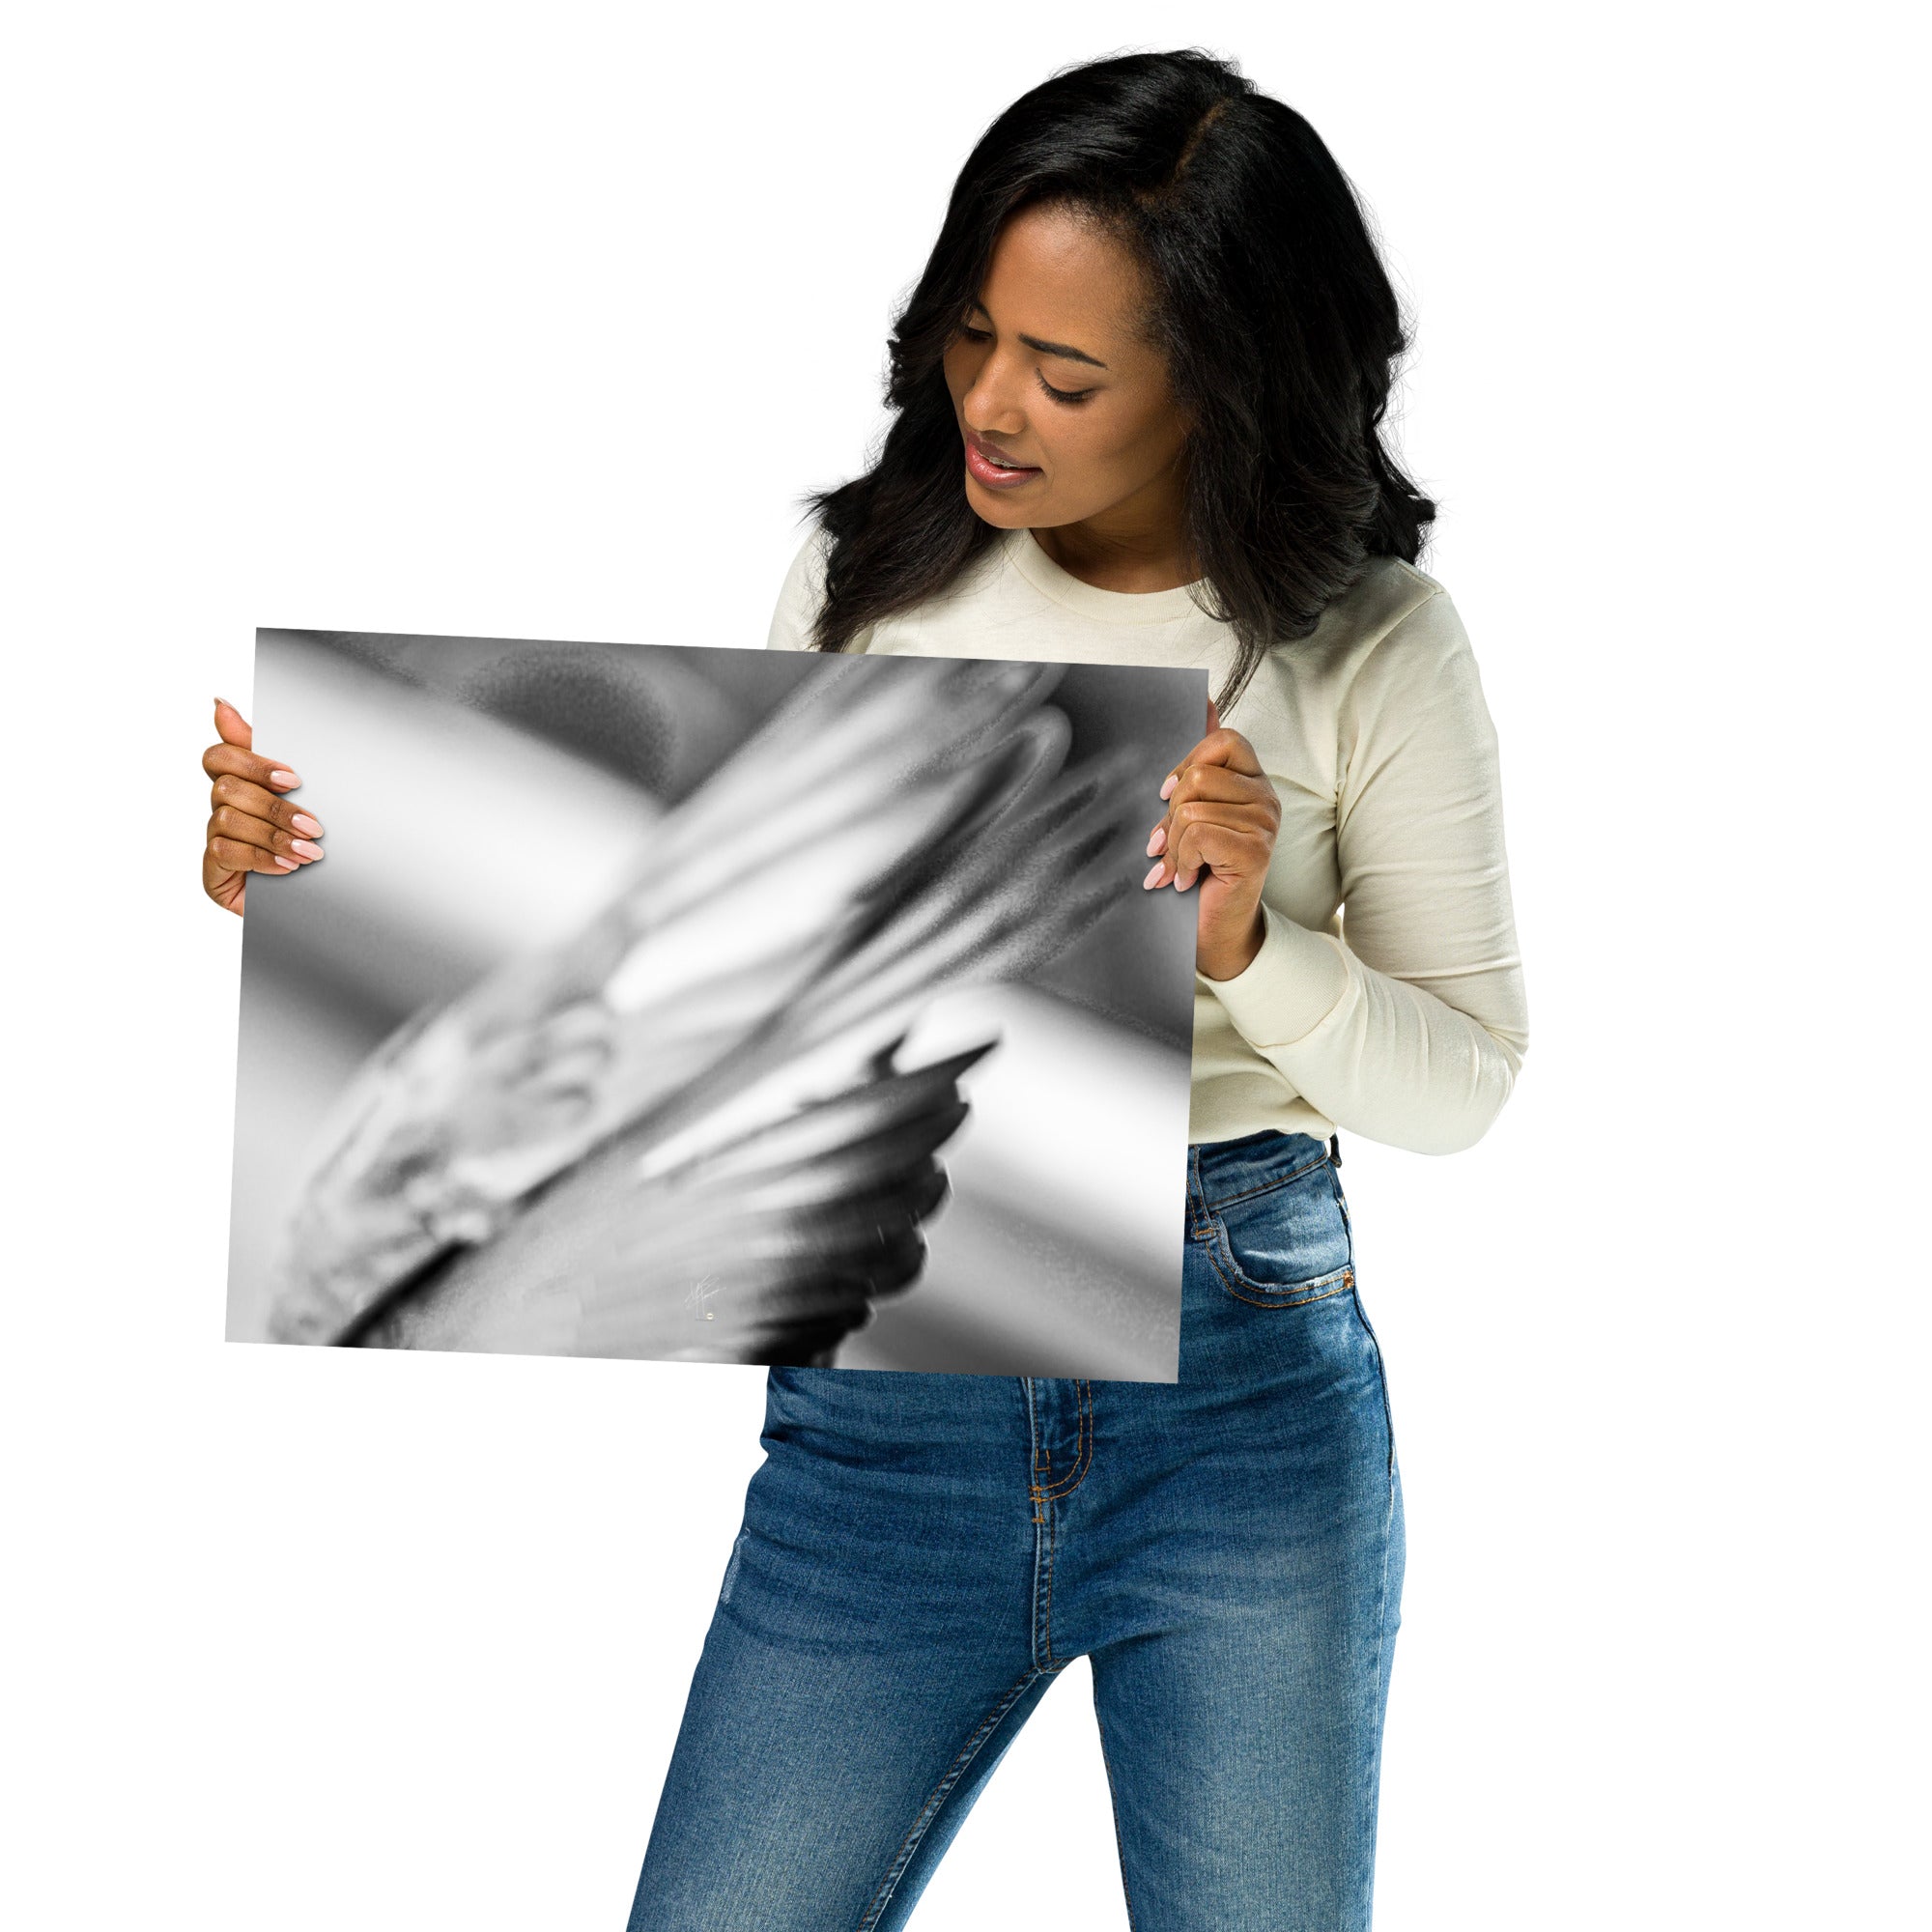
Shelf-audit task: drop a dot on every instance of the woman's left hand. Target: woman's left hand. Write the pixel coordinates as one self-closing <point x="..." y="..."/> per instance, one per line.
<point x="1222" y="817"/>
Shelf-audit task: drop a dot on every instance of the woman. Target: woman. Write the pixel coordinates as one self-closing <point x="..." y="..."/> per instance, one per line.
<point x="1138" y="397"/>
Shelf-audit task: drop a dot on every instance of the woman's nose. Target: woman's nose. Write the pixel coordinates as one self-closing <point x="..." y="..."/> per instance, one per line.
<point x="990" y="407"/>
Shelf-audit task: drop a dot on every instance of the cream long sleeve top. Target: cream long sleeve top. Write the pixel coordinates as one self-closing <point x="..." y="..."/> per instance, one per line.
<point x="1387" y="997"/>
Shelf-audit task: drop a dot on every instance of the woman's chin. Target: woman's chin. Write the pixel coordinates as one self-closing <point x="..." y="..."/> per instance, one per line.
<point x="997" y="507"/>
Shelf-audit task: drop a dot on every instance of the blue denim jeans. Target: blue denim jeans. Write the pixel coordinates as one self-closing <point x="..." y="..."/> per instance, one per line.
<point x="922" y="1554"/>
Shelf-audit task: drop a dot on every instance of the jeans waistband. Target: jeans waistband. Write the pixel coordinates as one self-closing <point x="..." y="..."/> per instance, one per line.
<point x="1222" y="1171"/>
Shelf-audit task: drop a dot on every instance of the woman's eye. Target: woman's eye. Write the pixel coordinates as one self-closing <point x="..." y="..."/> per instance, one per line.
<point x="1059" y="395"/>
<point x="1064" y="395"/>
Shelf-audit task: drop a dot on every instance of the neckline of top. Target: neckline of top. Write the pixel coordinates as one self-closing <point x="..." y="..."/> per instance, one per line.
<point x="1111" y="606"/>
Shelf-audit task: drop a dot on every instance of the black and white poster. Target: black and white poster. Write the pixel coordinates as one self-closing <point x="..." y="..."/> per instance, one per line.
<point x="701" y="1004"/>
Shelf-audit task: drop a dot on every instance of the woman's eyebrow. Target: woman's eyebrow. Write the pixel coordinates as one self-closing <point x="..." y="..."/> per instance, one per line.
<point x="1072" y="353"/>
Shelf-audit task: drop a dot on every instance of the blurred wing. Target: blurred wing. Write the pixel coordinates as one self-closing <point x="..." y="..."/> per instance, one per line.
<point x="880" y="839"/>
<point x="769" y="1248"/>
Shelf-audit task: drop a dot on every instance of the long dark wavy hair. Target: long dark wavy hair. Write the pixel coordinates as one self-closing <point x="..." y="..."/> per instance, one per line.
<point x="1279" y="326"/>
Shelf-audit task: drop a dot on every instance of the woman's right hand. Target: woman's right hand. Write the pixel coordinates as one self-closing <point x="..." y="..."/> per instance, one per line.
<point x="252" y="827"/>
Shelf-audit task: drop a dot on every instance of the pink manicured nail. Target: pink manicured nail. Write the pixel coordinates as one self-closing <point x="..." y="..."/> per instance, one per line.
<point x="279" y="777"/>
<point x="306" y="848"/>
<point x="287" y="864"/>
<point x="1159" y="840"/>
<point x="302" y="822"/>
<point x="1174" y="779"/>
<point x="1153" y="875"/>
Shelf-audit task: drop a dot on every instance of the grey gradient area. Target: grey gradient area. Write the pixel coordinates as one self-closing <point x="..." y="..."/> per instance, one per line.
<point x="692" y="1002"/>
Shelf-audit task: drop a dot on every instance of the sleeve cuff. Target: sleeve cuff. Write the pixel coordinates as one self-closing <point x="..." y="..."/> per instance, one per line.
<point x="1288" y="988"/>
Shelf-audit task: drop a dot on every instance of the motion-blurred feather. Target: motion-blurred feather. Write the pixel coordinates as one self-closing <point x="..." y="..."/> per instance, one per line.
<point x="702" y="1081"/>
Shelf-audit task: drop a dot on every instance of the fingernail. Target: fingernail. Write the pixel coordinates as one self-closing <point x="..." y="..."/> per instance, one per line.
<point x="306" y="848"/>
<point x="1157" y="841"/>
<point x="1153" y="875"/>
<point x="279" y="777"/>
<point x="302" y="822"/>
<point x="287" y="864"/>
<point x="1173" y="779"/>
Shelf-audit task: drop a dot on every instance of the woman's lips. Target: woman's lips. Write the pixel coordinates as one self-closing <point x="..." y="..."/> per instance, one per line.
<point x="994" y="474"/>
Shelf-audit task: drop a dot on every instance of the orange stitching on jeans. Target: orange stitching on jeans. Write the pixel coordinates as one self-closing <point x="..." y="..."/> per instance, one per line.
<point x="1342" y="1287"/>
<point x="1044" y="1517"/>
<point x="1083" y="1449"/>
<point x="1044" y="1618"/>
<point x="1347" y="1282"/>
<point x="1041" y="1459"/>
<point x="1280" y="1180"/>
<point x="1233" y="1273"/>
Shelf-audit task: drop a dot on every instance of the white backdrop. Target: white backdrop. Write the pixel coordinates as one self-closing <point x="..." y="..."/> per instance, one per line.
<point x="534" y="321"/>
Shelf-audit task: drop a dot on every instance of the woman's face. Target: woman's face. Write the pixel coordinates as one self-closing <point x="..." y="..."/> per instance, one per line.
<point x="1055" y="314"/>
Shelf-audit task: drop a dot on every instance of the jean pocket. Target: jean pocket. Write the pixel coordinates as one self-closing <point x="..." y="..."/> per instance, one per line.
<point x="1287" y="1242"/>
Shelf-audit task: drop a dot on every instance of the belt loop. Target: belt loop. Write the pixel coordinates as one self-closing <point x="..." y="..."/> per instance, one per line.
<point x="1335" y="1149"/>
